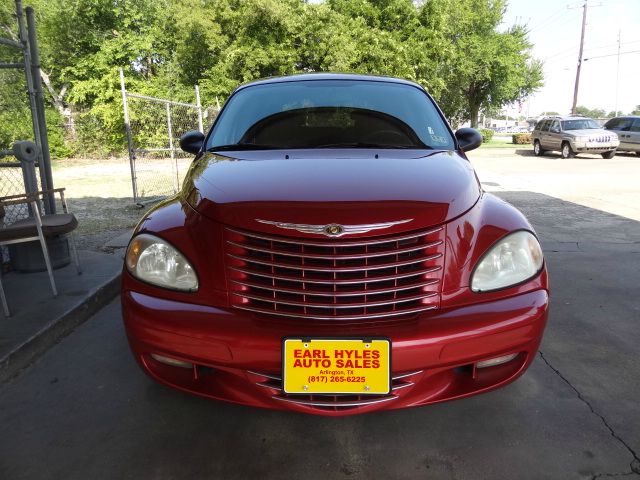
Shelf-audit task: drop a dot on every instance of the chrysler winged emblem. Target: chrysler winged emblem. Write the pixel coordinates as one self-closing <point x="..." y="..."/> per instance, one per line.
<point x="334" y="229"/>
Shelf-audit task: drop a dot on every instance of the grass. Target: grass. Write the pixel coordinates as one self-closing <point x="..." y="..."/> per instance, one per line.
<point x="500" y="144"/>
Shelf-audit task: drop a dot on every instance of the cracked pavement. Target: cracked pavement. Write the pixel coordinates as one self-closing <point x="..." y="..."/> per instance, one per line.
<point x="85" y="410"/>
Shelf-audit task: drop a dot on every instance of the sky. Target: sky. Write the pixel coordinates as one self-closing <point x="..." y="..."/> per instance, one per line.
<point x="554" y="29"/>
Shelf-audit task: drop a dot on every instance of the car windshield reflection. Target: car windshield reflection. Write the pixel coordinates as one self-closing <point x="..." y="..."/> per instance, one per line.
<point x="328" y="127"/>
<point x="586" y="124"/>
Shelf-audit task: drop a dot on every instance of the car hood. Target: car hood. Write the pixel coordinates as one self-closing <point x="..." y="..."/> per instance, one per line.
<point x="320" y="187"/>
<point x="589" y="132"/>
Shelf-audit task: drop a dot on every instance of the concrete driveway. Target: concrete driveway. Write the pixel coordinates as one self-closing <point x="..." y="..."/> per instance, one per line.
<point x="84" y="410"/>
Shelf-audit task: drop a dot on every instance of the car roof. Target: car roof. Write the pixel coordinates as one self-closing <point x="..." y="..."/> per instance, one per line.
<point x="330" y="76"/>
<point x="567" y="117"/>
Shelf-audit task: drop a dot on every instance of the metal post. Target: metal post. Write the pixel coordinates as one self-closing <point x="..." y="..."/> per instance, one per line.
<point x="45" y="166"/>
<point x="127" y="127"/>
<point x="27" y="153"/>
<point x="199" y="107"/>
<point x="575" y="89"/>
<point x="26" y="53"/>
<point x="617" y="75"/>
<point x="174" y="164"/>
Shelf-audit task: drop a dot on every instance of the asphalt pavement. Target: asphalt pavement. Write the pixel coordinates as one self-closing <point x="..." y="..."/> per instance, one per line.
<point x="84" y="410"/>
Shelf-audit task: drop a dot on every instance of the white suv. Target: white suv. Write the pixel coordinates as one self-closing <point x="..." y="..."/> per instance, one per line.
<point x="573" y="135"/>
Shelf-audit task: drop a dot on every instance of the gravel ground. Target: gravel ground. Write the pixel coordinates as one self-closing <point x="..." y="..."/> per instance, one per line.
<point x="99" y="193"/>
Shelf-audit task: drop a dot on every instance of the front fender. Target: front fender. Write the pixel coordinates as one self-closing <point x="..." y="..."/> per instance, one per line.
<point x="468" y="238"/>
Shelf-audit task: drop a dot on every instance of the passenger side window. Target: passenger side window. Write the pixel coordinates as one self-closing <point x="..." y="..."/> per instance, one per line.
<point x="612" y="124"/>
<point x="624" y="124"/>
<point x="636" y="125"/>
<point x="545" y="125"/>
<point x="555" y="127"/>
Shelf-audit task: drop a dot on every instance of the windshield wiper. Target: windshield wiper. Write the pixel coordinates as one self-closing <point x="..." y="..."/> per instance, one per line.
<point x="243" y="146"/>
<point x="372" y="145"/>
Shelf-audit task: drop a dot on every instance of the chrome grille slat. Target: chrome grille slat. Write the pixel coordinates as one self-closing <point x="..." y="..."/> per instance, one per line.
<point x="293" y="266"/>
<point x="336" y="282"/>
<point x="395" y="313"/>
<point x="278" y="378"/>
<point x="402" y="385"/>
<point x="266" y="375"/>
<point x="320" y="293"/>
<point x="385" y="253"/>
<point x="337" y="305"/>
<point x="342" y="242"/>
<point x="397" y="377"/>
<point x="335" y="403"/>
<point x="357" y="279"/>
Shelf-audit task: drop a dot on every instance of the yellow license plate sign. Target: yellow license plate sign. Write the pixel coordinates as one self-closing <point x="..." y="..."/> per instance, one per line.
<point x="336" y="366"/>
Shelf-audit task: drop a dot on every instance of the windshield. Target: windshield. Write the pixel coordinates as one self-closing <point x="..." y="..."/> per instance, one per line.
<point x="330" y="114"/>
<point x="581" y="124"/>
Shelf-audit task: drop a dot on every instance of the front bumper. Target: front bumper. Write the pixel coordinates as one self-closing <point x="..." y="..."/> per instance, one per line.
<point x="594" y="147"/>
<point x="236" y="355"/>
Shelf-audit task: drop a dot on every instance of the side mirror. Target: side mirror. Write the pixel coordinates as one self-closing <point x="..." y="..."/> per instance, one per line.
<point x="468" y="139"/>
<point x="191" y="142"/>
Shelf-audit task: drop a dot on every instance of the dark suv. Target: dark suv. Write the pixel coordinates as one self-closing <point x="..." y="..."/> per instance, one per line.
<point x="573" y="135"/>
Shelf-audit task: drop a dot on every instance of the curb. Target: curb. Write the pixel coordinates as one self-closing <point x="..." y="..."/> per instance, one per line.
<point x="26" y="353"/>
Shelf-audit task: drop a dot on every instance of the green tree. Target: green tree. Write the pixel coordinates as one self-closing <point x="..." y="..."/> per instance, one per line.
<point x="454" y="48"/>
<point x="587" y="112"/>
<point x="635" y="111"/>
<point x="484" y="67"/>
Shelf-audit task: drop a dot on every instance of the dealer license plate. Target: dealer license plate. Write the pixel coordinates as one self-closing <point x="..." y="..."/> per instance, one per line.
<point x="336" y="366"/>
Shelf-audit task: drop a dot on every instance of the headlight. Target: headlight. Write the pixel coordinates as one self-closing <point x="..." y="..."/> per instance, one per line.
<point x="512" y="260"/>
<point x="155" y="261"/>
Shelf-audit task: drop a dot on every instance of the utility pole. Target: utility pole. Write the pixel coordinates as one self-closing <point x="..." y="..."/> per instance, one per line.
<point x="617" y="75"/>
<point x="575" y="89"/>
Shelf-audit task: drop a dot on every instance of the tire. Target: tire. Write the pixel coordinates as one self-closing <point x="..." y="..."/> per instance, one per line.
<point x="638" y="153"/>
<point x="565" y="150"/>
<point x="537" y="149"/>
<point x="608" y="155"/>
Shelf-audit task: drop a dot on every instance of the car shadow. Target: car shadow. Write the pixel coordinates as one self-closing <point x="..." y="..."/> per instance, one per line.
<point x="528" y="152"/>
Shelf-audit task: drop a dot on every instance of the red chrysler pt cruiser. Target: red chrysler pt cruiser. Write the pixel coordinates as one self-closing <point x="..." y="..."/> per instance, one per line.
<point x="331" y="251"/>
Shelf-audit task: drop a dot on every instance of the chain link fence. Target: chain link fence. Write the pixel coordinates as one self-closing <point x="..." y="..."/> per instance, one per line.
<point x="12" y="183"/>
<point x="154" y="127"/>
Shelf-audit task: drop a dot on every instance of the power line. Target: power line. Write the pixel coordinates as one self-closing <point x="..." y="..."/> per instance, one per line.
<point x="544" y="22"/>
<point x="611" y="55"/>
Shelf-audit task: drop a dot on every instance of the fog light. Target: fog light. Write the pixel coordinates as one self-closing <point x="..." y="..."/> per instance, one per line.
<point x="492" y="362"/>
<point x="171" y="361"/>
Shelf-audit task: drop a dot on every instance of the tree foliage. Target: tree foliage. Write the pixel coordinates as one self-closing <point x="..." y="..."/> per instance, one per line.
<point x="454" y="48"/>
<point x="588" y="112"/>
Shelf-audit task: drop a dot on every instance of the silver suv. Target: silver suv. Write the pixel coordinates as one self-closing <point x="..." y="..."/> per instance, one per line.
<point x="573" y="135"/>
<point x="628" y="130"/>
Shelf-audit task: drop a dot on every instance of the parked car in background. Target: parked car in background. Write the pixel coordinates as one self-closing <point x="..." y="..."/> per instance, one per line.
<point x="332" y="252"/>
<point x="628" y="131"/>
<point x="573" y="135"/>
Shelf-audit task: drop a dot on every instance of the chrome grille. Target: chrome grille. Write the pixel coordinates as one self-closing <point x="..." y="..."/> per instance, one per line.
<point x="335" y="279"/>
<point x="273" y="383"/>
